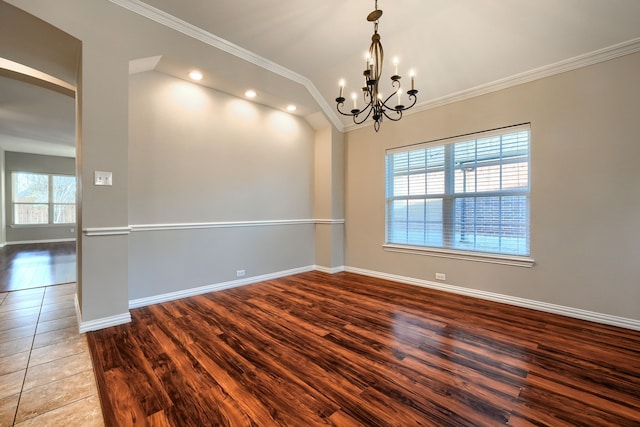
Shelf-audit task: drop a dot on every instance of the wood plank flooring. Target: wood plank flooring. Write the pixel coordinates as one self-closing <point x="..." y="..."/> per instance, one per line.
<point x="348" y="350"/>
<point x="29" y="266"/>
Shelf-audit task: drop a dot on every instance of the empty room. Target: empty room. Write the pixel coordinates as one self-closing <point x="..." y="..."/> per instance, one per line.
<point x="344" y="213"/>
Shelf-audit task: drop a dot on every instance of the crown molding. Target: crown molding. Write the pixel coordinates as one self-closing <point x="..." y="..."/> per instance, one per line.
<point x="177" y="24"/>
<point x="580" y="61"/>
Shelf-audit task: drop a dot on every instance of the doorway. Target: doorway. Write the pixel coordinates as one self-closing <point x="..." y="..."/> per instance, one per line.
<point x="39" y="68"/>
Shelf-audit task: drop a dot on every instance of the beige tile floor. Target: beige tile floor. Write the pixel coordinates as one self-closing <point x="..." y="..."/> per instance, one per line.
<point x="46" y="375"/>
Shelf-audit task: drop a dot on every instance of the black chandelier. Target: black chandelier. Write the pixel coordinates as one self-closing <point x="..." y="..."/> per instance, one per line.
<point x="375" y="107"/>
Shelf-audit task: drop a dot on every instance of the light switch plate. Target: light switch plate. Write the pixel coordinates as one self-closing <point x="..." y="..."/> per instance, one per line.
<point x="103" y="178"/>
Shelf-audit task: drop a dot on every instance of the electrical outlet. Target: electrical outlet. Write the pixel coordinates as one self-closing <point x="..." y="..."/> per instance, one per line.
<point x="441" y="276"/>
<point x="239" y="273"/>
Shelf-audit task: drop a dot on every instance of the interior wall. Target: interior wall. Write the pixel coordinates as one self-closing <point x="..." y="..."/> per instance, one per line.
<point x="3" y="203"/>
<point x="37" y="163"/>
<point x="206" y="171"/>
<point x="104" y="132"/>
<point x="584" y="202"/>
<point x="31" y="42"/>
<point x="329" y="199"/>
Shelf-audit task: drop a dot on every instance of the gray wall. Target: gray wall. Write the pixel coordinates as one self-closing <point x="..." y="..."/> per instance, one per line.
<point x="585" y="205"/>
<point x="24" y="162"/>
<point x="199" y="158"/>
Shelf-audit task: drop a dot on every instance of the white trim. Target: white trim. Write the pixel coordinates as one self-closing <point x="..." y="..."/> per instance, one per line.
<point x="230" y="224"/>
<point x="112" y="231"/>
<point x="54" y="226"/>
<point x="105" y="322"/>
<point x="580" y="61"/>
<point x="204" y="36"/>
<point x="156" y="299"/>
<point x="78" y="311"/>
<point x="329" y="270"/>
<point x="329" y="221"/>
<point x="27" y="242"/>
<point x="106" y="231"/>
<point x="576" y="313"/>
<point x="227" y="224"/>
<point x="518" y="261"/>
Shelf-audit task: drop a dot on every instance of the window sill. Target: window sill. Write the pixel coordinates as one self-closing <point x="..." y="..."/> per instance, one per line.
<point x="71" y="224"/>
<point x="517" y="261"/>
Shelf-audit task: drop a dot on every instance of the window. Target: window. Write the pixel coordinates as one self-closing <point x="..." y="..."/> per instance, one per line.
<point x="43" y="198"/>
<point x="468" y="194"/>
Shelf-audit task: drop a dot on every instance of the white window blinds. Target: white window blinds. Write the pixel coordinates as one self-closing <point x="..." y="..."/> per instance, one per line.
<point x="468" y="193"/>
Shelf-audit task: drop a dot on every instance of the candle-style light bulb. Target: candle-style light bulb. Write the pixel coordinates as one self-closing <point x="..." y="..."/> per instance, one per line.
<point x="355" y="100"/>
<point x="399" y="96"/>
<point x="412" y="74"/>
<point x="395" y="63"/>
<point x="341" y="86"/>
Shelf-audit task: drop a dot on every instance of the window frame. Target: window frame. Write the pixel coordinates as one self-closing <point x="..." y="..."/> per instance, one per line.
<point x="448" y="197"/>
<point x="50" y="203"/>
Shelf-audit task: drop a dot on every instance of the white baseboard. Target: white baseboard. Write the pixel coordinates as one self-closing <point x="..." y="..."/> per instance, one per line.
<point x="156" y="299"/>
<point x="329" y="270"/>
<point x="576" y="313"/>
<point x="104" y="322"/>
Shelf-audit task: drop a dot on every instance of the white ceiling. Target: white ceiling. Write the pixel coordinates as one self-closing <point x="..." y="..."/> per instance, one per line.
<point x="297" y="51"/>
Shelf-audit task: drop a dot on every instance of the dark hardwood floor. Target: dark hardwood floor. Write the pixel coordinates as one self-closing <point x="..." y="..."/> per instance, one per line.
<point x="348" y="350"/>
<point x="35" y="265"/>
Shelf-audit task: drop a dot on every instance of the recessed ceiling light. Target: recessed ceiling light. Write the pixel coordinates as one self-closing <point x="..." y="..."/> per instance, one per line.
<point x="250" y="93"/>
<point x="291" y="108"/>
<point x="195" y="75"/>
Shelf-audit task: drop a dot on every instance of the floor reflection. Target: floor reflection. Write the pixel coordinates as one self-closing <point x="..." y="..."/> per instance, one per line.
<point x="36" y="265"/>
<point x="466" y="364"/>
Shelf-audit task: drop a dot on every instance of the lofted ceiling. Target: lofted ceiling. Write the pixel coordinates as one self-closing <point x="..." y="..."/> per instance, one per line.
<point x="296" y="51"/>
<point x="458" y="48"/>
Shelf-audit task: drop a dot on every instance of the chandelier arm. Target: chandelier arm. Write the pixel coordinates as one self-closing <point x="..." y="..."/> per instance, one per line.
<point x="370" y="110"/>
<point x="412" y="97"/>
<point x="343" y="113"/>
<point x="384" y="103"/>
<point x="341" y="104"/>
<point x="398" y="115"/>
